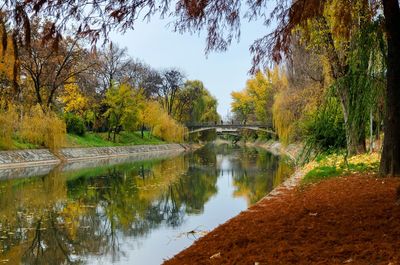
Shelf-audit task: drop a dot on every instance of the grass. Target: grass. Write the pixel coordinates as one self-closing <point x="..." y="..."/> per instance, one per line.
<point x="320" y="173"/>
<point x="22" y="145"/>
<point x="333" y="165"/>
<point x="100" y="140"/>
<point x="95" y="140"/>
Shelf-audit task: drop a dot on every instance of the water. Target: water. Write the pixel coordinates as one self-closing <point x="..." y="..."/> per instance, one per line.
<point x="130" y="213"/>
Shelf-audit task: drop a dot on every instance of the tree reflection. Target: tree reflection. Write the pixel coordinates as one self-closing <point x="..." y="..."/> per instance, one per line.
<point x="257" y="172"/>
<point x="64" y="217"/>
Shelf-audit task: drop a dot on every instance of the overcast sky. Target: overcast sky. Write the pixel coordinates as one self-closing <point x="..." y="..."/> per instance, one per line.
<point x="157" y="45"/>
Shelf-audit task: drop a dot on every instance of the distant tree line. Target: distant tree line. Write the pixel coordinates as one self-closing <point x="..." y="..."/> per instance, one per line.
<point x="101" y="90"/>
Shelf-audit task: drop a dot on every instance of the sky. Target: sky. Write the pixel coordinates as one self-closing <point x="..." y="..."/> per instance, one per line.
<point x="157" y="45"/>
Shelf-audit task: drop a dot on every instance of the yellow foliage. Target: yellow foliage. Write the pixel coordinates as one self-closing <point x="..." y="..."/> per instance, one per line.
<point x="8" y="118"/>
<point x="254" y="102"/>
<point x="293" y="105"/>
<point x="242" y="104"/>
<point x="8" y="60"/>
<point x="283" y="117"/>
<point x="368" y="160"/>
<point x="124" y="105"/>
<point x="42" y="128"/>
<point x="73" y="99"/>
<point x="162" y="125"/>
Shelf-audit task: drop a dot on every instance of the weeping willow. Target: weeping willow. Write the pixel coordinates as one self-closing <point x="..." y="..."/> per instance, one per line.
<point x="364" y="83"/>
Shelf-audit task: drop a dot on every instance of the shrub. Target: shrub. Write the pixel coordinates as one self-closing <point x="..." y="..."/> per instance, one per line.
<point x="75" y="124"/>
<point x="43" y="128"/>
<point x="325" y="131"/>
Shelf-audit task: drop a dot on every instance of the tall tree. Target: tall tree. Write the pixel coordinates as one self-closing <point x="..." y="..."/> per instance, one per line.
<point x="390" y="161"/>
<point x="195" y="104"/>
<point x="173" y="81"/>
<point x="112" y="64"/>
<point x="47" y="67"/>
<point x="123" y="108"/>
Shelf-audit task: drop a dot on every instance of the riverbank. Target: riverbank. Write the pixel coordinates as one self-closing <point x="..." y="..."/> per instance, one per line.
<point x="292" y="150"/>
<point x="345" y="220"/>
<point x="312" y="218"/>
<point x="35" y="157"/>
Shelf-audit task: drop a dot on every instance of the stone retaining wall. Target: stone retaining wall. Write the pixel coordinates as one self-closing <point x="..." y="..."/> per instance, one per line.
<point x="27" y="158"/>
<point x="71" y="154"/>
<point x="44" y="169"/>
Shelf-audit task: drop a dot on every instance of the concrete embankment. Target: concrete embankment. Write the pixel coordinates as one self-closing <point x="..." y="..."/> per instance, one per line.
<point x="292" y="150"/>
<point x="35" y="157"/>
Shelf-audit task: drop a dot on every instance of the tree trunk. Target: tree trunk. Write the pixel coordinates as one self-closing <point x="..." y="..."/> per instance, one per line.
<point x="390" y="161"/>
<point x="371" y="132"/>
<point x="355" y="134"/>
<point x="109" y="134"/>
<point x="355" y="142"/>
<point x="142" y="130"/>
<point x="115" y="133"/>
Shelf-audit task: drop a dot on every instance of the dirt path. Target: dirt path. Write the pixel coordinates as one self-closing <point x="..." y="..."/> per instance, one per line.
<point x="347" y="220"/>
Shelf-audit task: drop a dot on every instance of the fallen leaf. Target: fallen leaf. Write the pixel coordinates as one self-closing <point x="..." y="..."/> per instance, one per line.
<point x="216" y="255"/>
<point x="348" y="261"/>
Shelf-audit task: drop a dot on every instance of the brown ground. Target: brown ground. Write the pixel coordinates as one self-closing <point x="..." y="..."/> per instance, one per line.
<point x="349" y="220"/>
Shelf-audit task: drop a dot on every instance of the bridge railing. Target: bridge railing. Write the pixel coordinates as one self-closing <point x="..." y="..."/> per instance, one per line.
<point x="228" y="124"/>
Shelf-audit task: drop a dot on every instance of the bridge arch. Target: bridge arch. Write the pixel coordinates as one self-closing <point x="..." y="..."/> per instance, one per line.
<point x="229" y="128"/>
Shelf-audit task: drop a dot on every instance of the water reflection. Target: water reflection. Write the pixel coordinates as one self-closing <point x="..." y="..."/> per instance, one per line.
<point x="71" y="217"/>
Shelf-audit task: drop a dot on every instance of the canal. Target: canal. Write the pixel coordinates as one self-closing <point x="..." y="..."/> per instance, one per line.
<point x="134" y="212"/>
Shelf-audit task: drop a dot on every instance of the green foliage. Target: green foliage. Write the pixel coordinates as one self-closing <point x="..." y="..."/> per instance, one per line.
<point x="325" y="130"/>
<point x="321" y="173"/>
<point x="75" y="124"/>
<point x="195" y="104"/>
<point x="332" y="165"/>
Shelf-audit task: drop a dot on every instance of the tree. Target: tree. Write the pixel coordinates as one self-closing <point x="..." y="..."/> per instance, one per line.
<point x="48" y="68"/>
<point x="256" y="99"/>
<point x="243" y="106"/>
<point x="123" y="108"/>
<point x="195" y="104"/>
<point x="390" y="161"/>
<point x="73" y="98"/>
<point x="171" y="84"/>
<point x="112" y="65"/>
<point x="155" y="117"/>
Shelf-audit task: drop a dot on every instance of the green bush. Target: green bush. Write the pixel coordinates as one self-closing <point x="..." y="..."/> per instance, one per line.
<point x="325" y="131"/>
<point x="75" y="124"/>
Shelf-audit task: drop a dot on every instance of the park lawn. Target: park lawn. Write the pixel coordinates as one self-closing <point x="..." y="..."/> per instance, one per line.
<point x="334" y="165"/>
<point x="100" y="140"/>
<point x="95" y="140"/>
